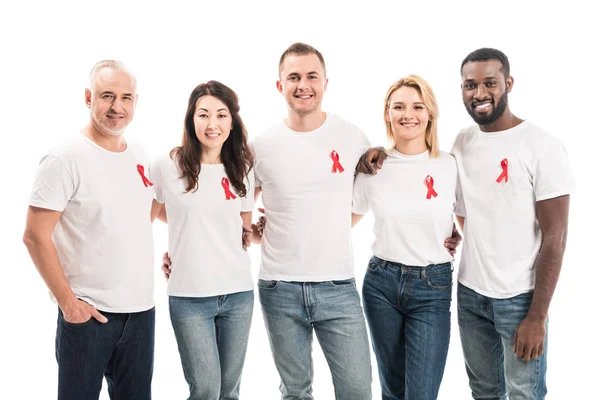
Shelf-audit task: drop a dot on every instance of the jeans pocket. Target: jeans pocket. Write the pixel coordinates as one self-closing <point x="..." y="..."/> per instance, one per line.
<point x="263" y="284"/>
<point x="75" y="324"/>
<point x="343" y="283"/>
<point x="373" y="266"/>
<point x="440" y="280"/>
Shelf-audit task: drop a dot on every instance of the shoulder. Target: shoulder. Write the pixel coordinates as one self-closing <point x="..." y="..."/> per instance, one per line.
<point x="538" y="136"/>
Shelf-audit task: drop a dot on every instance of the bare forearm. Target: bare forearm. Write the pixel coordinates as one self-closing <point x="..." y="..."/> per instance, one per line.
<point x="44" y="256"/>
<point x="461" y="223"/>
<point x="547" y="270"/>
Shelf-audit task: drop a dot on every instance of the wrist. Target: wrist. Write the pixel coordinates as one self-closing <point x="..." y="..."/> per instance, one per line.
<point x="67" y="301"/>
<point x="536" y="317"/>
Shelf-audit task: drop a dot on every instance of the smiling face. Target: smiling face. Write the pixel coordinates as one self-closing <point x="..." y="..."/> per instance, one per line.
<point x="485" y="90"/>
<point x="407" y="115"/>
<point x="302" y="83"/>
<point x="212" y="122"/>
<point x="111" y="101"/>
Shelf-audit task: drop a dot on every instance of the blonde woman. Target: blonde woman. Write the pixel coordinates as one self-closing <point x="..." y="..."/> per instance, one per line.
<point x="408" y="284"/>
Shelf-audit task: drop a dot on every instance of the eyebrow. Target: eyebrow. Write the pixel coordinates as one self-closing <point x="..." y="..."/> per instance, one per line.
<point x="220" y="109"/>
<point x="297" y="74"/>
<point x="113" y="93"/>
<point x="487" y="78"/>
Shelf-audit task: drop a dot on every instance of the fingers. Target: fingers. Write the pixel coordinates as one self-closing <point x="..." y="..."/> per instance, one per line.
<point x="96" y="314"/>
<point x="262" y="210"/>
<point x="166" y="271"/>
<point x="166" y="259"/>
<point x="247" y="228"/>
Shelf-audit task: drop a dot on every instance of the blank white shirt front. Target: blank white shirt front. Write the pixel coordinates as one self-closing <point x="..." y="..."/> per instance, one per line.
<point x="413" y="214"/>
<point x="104" y="235"/>
<point x="205" y="230"/>
<point x="503" y="174"/>
<point x="306" y="180"/>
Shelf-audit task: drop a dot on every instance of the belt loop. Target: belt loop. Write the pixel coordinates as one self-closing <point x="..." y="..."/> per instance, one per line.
<point x="383" y="263"/>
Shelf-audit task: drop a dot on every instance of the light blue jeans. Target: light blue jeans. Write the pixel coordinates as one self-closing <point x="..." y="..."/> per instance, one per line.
<point x="292" y="310"/>
<point x="487" y="329"/>
<point x="212" y="336"/>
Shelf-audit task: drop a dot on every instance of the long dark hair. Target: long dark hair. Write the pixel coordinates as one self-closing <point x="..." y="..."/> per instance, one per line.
<point x="235" y="154"/>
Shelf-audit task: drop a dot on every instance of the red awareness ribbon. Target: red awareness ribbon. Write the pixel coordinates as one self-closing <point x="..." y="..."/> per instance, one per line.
<point x="228" y="194"/>
<point x="337" y="167"/>
<point x="430" y="190"/>
<point x="504" y="174"/>
<point x="146" y="181"/>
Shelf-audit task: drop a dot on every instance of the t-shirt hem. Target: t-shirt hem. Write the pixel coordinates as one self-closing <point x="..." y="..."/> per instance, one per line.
<point x="419" y="264"/>
<point x="116" y="310"/>
<point x="306" y="278"/>
<point x="493" y="295"/>
<point x="211" y="294"/>
<point x="40" y="204"/>
<point x="552" y="195"/>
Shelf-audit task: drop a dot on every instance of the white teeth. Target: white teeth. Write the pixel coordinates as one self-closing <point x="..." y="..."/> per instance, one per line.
<point x="304" y="97"/>
<point x="212" y="135"/>
<point x="482" y="106"/>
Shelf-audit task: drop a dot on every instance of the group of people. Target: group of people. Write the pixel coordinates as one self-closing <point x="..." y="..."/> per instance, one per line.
<point x="95" y="196"/>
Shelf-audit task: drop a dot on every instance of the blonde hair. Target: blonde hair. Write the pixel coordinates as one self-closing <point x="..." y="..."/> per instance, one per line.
<point x="113" y="64"/>
<point x="426" y="93"/>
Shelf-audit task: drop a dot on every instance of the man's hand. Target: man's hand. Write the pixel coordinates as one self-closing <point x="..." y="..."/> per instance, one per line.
<point x="246" y="236"/>
<point x="528" y="343"/>
<point x="372" y="158"/>
<point x="452" y="242"/>
<point x="166" y="267"/>
<point x="78" y="311"/>
<point x="262" y="221"/>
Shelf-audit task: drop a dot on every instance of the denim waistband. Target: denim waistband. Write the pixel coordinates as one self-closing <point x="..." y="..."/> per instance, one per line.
<point x="419" y="270"/>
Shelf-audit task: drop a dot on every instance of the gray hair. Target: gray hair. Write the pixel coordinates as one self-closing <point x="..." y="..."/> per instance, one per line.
<point x="114" y="64"/>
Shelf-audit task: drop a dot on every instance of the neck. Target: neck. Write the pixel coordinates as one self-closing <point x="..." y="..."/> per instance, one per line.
<point x="113" y="143"/>
<point x="210" y="156"/>
<point x="411" y="147"/>
<point x="507" y="121"/>
<point x="305" y="122"/>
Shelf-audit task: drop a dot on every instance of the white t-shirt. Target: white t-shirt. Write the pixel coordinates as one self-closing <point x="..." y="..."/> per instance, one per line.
<point x="104" y="234"/>
<point x="306" y="180"/>
<point x="503" y="175"/>
<point x="205" y="230"/>
<point x="413" y="200"/>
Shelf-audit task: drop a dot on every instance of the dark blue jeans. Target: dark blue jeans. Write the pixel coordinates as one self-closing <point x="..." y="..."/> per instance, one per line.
<point x="122" y="350"/>
<point x="408" y="311"/>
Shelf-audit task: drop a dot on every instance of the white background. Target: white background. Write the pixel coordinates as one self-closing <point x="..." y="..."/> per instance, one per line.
<point x="48" y="48"/>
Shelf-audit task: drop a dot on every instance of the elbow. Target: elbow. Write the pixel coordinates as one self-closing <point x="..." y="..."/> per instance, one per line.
<point x="30" y="239"/>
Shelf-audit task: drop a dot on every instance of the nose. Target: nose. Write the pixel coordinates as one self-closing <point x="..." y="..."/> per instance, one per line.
<point x="303" y="83"/>
<point x="480" y="92"/>
<point x="213" y="122"/>
<point x="117" y="104"/>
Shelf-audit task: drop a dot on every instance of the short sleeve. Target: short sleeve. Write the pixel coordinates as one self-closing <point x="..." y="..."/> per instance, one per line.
<point x="552" y="173"/>
<point x="360" y="199"/>
<point x="459" y="206"/>
<point x="157" y="179"/>
<point x="257" y="181"/>
<point x="248" y="201"/>
<point x="53" y="186"/>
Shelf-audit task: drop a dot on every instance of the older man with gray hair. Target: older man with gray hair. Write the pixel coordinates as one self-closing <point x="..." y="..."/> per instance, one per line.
<point x="89" y="234"/>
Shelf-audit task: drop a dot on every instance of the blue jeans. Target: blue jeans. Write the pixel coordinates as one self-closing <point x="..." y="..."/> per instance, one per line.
<point x="487" y="329"/>
<point x="122" y="350"/>
<point x="292" y="310"/>
<point x="212" y="337"/>
<point x="408" y="311"/>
